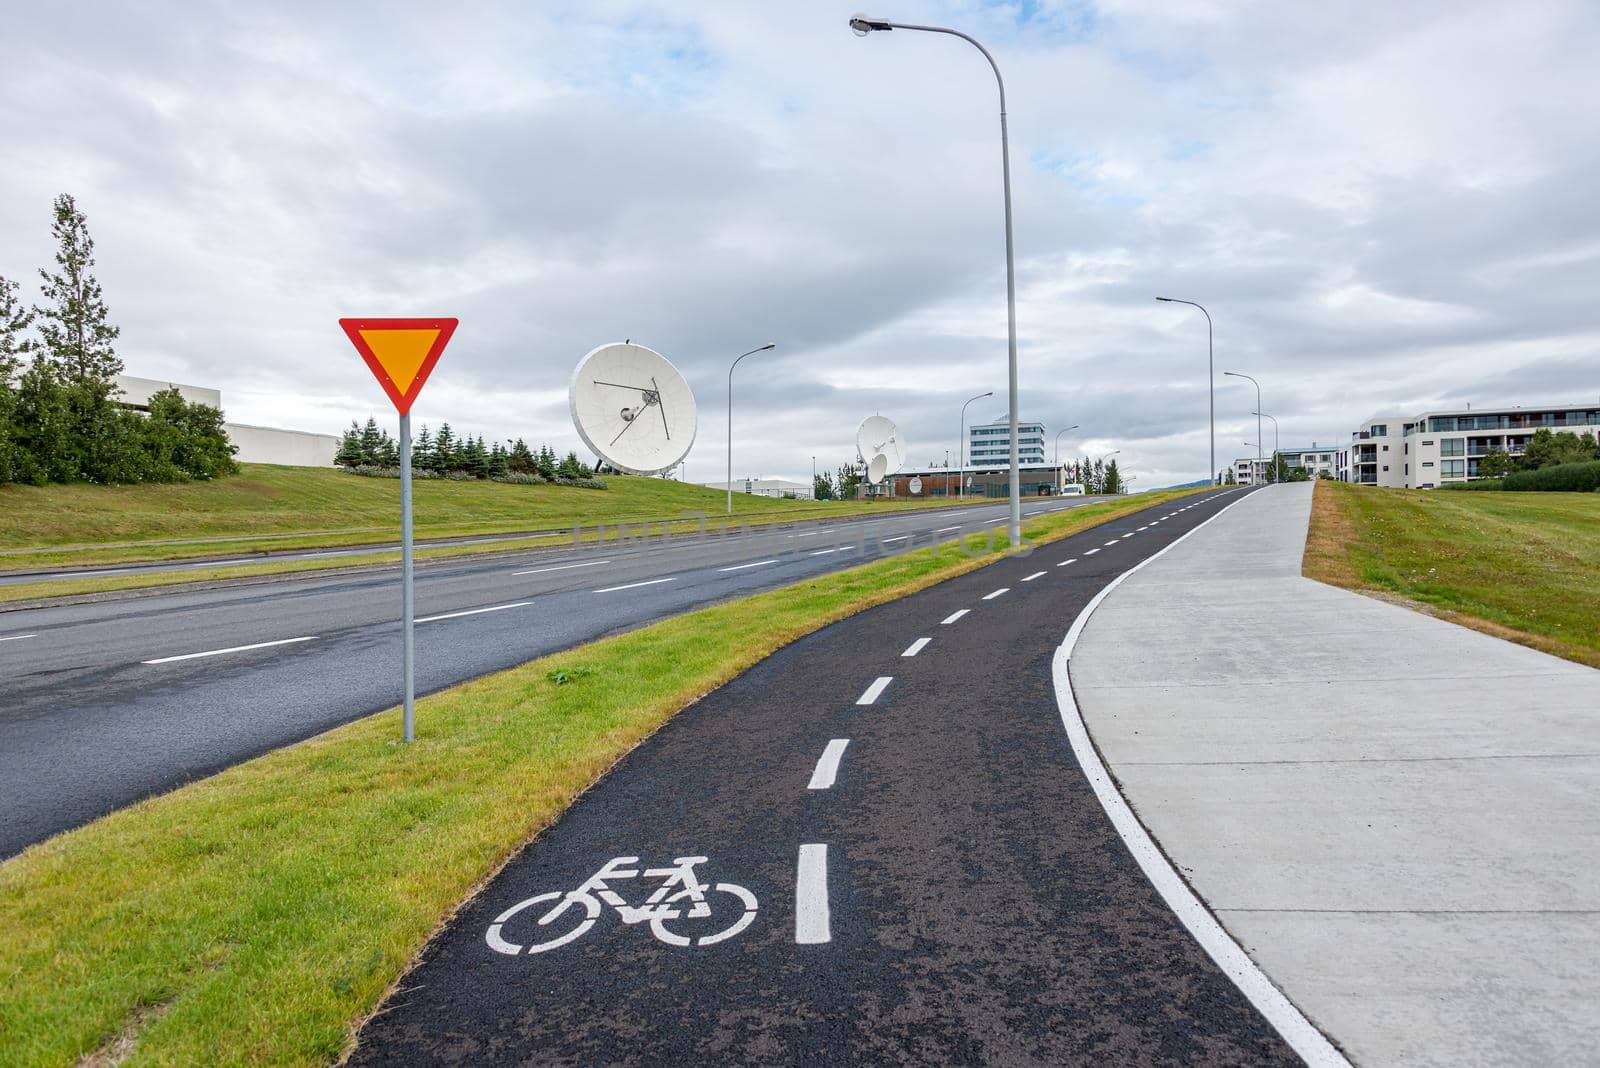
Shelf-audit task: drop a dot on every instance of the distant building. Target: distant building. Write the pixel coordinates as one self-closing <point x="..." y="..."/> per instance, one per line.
<point x="1444" y="446"/>
<point x="988" y="481"/>
<point x="257" y="444"/>
<point x="765" y="487"/>
<point x="989" y="444"/>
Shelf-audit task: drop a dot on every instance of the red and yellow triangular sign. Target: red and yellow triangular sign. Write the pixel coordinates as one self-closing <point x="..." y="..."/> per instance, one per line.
<point x="401" y="352"/>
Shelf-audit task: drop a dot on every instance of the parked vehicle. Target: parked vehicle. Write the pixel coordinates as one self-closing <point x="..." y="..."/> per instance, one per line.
<point x="1072" y="489"/>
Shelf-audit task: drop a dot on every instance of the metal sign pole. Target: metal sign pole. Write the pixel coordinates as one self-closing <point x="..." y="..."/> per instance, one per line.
<point x="407" y="591"/>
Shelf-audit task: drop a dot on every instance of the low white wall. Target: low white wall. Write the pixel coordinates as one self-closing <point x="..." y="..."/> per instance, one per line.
<point x="269" y="445"/>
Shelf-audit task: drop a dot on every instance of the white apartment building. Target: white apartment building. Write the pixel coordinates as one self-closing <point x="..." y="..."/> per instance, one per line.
<point x="1447" y="445"/>
<point x="989" y="444"/>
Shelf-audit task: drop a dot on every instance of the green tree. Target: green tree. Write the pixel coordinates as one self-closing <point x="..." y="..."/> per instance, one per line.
<point x="1547" y="448"/>
<point x="1496" y="463"/>
<point x="822" y="487"/>
<point x="371" y="442"/>
<point x="183" y="441"/>
<point x="349" y="454"/>
<point x="422" y="450"/>
<point x="498" y="464"/>
<point x="1111" y="481"/>
<point x="520" y="458"/>
<point x="475" y="458"/>
<point x="1228" y="479"/>
<point x="14" y="344"/>
<point x="569" y="467"/>
<point x="846" y="481"/>
<point x="546" y="465"/>
<point x="444" y="450"/>
<point x="389" y="451"/>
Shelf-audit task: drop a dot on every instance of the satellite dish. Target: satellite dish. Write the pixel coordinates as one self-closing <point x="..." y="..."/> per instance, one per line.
<point x="877" y="468"/>
<point x="915" y="486"/>
<point x="632" y="408"/>
<point x="880" y="436"/>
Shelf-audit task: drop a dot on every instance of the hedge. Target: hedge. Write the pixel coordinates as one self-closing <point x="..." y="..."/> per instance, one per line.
<point x="1561" y="478"/>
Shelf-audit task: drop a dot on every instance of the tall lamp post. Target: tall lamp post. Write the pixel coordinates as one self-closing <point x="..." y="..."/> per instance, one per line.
<point x="1211" y="378"/>
<point x="752" y="352"/>
<point x="1106" y="457"/>
<point x="961" y="450"/>
<point x="862" y="25"/>
<point x="1276" y="444"/>
<point x="1236" y="374"/>
<point x="1074" y="426"/>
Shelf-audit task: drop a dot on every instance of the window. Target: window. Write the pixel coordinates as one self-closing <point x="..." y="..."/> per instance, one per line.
<point x="1427" y="463"/>
<point x="1453" y="468"/>
<point x="1427" y="443"/>
<point x="1386" y="467"/>
<point x="1386" y="448"/>
<point x="1380" y="430"/>
<point x="1452" y="446"/>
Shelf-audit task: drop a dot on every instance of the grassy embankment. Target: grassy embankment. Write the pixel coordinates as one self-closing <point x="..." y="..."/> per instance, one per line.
<point x="258" y="915"/>
<point x="269" y="508"/>
<point x="1521" y="566"/>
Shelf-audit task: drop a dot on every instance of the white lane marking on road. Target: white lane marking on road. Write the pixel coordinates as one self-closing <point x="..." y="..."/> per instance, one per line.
<point x="941" y="530"/>
<point x="996" y="593"/>
<point x="231" y="649"/>
<point x="1091" y="552"/>
<point x="18" y="637"/>
<point x="898" y="537"/>
<point x="741" y="567"/>
<point x="1036" y="574"/>
<point x="953" y="616"/>
<point x="1064" y="563"/>
<point x="1110" y="543"/>
<point x="828" y="765"/>
<point x="807" y="534"/>
<point x="474" y="611"/>
<point x="825" y="552"/>
<point x="916" y="647"/>
<point x="1145" y="527"/>
<point x="875" y="691"/>
<point x="560" y="567"/>
<point x="1301" y="1035"/>
<point x="1130" y="534"/>
<point x="811" y="897"/>
<point x="635" y="585"/>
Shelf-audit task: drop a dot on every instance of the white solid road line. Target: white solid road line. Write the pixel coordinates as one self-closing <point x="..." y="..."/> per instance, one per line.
<point x="561" y="567"/>
<point x="1064" y="563"/>
<point x="473" y="612"/>
<point x="1036" y="574"/>
<point x="916" y="647"/>
<point x="875" y="691"/>
<point x="953" y="616"/>
<point x="634" y="585"/>
<point x="828" y="765"/>
<point x="811" y="897"/>
<point x="17" y="637"/>
<point x="741" y="567"/>
<point x="996" y="593"/>
<point x="231" y="649"/>
<point x="1301" y="1035"/>
<point x="1091" y="552"/>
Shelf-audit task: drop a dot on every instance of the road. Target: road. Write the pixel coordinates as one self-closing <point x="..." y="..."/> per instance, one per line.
<point x="901" y="859"/>
<point x="105" y="703"/>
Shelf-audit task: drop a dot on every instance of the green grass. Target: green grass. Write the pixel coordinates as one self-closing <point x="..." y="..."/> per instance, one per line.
<point x="258" y="915"/>
<point x="1524" y="566"/>
<point x="302" y="507"/>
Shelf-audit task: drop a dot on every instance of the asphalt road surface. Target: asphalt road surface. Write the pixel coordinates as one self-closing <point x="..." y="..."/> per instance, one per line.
<point x="105" y="703"/>
<point x="898" y="856"/>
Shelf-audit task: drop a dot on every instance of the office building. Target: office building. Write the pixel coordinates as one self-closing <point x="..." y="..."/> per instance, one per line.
<point x="989" y="444"/>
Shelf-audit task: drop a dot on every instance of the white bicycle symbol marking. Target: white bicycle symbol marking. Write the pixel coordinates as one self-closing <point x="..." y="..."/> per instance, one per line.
<point x="663" y="905"/>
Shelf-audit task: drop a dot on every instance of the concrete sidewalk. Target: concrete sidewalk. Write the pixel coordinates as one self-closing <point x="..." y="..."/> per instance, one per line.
<point x="1396" y="817"/>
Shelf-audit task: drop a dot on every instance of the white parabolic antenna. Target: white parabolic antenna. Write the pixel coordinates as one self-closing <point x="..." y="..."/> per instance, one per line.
<point x="633" y="408"/>
<point x="879" y="435"/>
<point x="877" y="468"/>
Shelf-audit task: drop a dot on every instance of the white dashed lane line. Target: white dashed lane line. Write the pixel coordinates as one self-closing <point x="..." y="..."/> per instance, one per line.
<point x="875" y="691"/>
<point x="1064" y="563"/>
<point x="230" y="649"/>
<point x="953" y="616"/>
<point x="635" y="585"/>
<point x="474" y="611"/>
<point x="561" y="567"/>
<point x="741" y="567"/>
<point x="1036" y="574"/>
<point x="1130" y="534"/>
<point x="916" y="647"/>
<point x="1110" y="543"/>
<point x="17" y="637"/>
<point x="996" y="593"/>
<point x="811" y="896"/>
<point x="1145" y="527"/>
<point x="1091" y="552"/>
<point x="828" y="765"/>
<point x="825" y="552"/>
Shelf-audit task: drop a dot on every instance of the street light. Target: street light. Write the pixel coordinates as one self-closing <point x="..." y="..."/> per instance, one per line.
<point x="752" y="352"/>
<point x="961" y="443"/>
<point x="863" y="25"/>
<point x="1236" y="374"/>
<point x="1211" y="373"/>
<point x="1074" y="426"/>
<point x="1276" y="443"/>
<point x="1255" y="472"/>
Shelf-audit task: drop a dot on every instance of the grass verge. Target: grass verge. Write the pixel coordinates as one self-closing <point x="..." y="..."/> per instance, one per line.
<point x="255" y="916"/>
<point x="1520" y="566"/>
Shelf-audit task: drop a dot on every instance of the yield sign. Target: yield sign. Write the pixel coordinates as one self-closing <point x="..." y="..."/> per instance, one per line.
<point x="401" y="352"/>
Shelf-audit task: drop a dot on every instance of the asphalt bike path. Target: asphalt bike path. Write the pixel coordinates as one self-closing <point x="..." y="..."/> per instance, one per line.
<point x="873" y="846"/>
<point x="103" y="704"/>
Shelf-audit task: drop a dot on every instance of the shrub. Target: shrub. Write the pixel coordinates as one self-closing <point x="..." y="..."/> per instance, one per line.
<point x="1560" y="478"/>
<point x="1476" y="484"/>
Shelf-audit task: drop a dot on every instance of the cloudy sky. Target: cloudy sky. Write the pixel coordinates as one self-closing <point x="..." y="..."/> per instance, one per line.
<point x="1386" y="206"/>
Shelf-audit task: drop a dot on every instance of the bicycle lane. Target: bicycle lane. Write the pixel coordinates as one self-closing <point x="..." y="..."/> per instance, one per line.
<point x="979" y="906"/>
